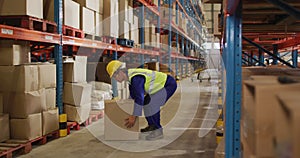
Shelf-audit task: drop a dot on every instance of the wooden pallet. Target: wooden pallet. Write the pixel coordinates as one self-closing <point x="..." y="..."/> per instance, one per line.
<point x="95" y="115"/>
<point x="71" y="31"/>
<point x="30" y="23"/>
<point x="16" y="147"/>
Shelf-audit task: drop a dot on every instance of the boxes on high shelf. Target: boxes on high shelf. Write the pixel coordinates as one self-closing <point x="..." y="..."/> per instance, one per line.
<point x="26" y="129"/>
<point x="4" y="126"/>
<point x="47" y="75"/>
<point x="50" y="121"/>
<point x="71" y="11"/>
<point x="115" y="114"/>
<point x="134" y="30"/>
<point x="14" y="52"/>
<point x="77" y="114"/>
<point x="98" y="24"/>
<point x="22" y="104"/>
<point x="95" y="5"/>
<point x="287" y="124"/>
<point x="23" y="78"/>
<point x="257" y="120"/>
<point x="32" y="8"/>
<point x="101" y="73"/>
<point x="87" y="21"/>
<point x="155" y="2"/>
<point x="111" y="18"/>
<point x="75" y="71"/>
<point x="124" y="30"/>
<point x="77" y="94"/>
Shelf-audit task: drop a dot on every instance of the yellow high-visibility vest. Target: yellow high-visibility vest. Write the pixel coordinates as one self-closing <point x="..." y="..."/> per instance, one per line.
<point x="155" y="80"/>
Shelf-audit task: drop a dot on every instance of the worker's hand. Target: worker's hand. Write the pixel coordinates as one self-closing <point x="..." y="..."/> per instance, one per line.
<point x="130" y="121"/>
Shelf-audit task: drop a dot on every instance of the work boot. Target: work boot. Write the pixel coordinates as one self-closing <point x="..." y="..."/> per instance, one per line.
<point x="155" y="135"/>
<point x="148" y="129"/>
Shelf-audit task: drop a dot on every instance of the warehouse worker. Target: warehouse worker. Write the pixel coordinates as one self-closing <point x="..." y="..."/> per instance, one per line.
<point x="149" y="89"/>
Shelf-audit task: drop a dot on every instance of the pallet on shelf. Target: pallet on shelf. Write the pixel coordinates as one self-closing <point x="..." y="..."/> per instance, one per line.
<point x="71" y="31"/>
<point x="17" y="147"/>
<point x="30" y="23"/>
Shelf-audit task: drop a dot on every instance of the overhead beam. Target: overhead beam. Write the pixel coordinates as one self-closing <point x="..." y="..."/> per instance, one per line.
<point x="294" y="12"/>
<point x="268" y="52"/>
<point x="265" y="5"/>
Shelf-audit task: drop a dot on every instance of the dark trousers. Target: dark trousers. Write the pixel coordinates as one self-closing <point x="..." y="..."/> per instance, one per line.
<point x="152" y="103"/>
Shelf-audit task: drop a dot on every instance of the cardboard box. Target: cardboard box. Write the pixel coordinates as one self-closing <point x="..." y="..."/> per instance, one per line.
<point x="26" y="129"/>
<point x="124" y="30"/>
<point x="71" y="11"/>
<point x="91" y="4"/>
<point x="153" y="66"/>
<point x="115" y="114"/>
<point x="98" y="24"/>
<point x="247" y="72"/>
<point x="22" y="104"/>
<point x="47" y="75"/>
<point x="32" y="8"/>
<point x="14" y="53"/>
<point x="50" y="98"/>
<point x="287" y="124"/>
<point x="87" y="21"/>
<point x="259" y="100"/>
<point x="91" y="71"/>
<point x="111" y="18"/>
<point x="78" y="114"/>
<point x="50" y="120"/>
<point x="77" y="94"/>
<point x="75" y="71"/>
<point x="4" y="126"/>
<point x="23" y="78"/>
<point x="101" y="86"/>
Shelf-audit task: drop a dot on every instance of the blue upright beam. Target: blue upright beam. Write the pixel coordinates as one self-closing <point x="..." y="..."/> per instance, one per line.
<point x="233" y="63"/>
<point x="170" y="34"/>
<point x="275" y="52"/>
<point x="58" y="51"/>
<point x="261" y="57"/>
<point x="295" y="58"/>
<point x="142" y="31"/>
<point x="114" y="81"/>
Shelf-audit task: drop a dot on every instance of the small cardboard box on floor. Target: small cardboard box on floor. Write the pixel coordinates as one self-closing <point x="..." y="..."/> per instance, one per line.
<point x="287" y="127"/>
<point x="258" y="110"/>
<point x="116" y="111"/>
<point x="26" y="129"/>
<point x="4" y="126"/>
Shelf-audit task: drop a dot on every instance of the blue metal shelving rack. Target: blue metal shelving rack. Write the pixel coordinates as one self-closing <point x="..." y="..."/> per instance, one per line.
<point x="232" y="57"/>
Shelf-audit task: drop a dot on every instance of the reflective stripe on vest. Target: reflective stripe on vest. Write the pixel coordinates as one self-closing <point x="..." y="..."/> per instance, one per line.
<point x="155" y="81"/>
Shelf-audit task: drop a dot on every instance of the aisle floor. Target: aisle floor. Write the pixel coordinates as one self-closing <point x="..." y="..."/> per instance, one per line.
<point x="189" y="131"/>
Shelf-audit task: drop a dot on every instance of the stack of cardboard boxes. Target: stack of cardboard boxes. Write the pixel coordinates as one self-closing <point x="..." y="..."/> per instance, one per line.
<point x="23" y="89"/>
<point x="77" y="92"/>
<point x="91" y="16"/>
<point x="111" y="18"/>
<point x="265" y="113"/>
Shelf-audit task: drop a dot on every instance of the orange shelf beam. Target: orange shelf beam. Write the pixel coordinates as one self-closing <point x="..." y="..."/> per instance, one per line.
<point x="16" y="33"/>
<point x="67" y="40"/>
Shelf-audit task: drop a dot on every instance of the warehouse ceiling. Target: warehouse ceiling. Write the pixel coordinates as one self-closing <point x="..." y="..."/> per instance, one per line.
<point x="266" y="23"/>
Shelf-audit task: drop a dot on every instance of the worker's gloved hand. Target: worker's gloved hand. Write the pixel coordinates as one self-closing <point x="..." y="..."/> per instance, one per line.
<point x="130" y="121"/>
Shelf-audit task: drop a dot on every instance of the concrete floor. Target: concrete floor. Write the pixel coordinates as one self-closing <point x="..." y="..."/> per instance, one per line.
<point x="188" y="119"/>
